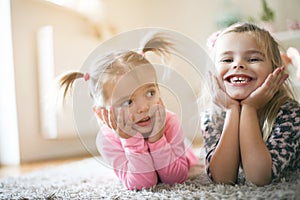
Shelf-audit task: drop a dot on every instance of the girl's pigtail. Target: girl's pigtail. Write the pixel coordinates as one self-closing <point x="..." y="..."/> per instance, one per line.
<point x="66" y="81"/>
<point x="158" y="43"/>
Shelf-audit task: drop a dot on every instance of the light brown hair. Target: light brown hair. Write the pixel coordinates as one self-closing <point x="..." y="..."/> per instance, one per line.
<point x="110" y="66"/>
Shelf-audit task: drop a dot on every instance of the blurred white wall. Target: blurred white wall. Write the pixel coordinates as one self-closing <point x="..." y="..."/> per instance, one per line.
<point x="195" y="18"/>
<point x="9" y="138"/>
<point x="73" y="39"/>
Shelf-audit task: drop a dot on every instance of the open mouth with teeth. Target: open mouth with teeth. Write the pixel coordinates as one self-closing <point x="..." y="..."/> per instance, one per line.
<point x="238" y="79"/>
<point x="144" y="122"/>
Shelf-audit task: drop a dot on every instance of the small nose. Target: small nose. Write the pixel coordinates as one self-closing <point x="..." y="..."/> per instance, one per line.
<point x="238" y="67"/>
<point x="142" y="106"/>
<point x="239" y="64"/>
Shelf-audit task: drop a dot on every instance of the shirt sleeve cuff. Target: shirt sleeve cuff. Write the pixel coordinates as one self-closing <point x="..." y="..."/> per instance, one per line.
<point x="134" y="144"/>
<point x="158" y="144"/>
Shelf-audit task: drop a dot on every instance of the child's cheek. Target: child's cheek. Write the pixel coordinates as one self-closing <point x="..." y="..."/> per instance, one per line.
<point x="123" y="112"/>
<point x="128" y="113"/>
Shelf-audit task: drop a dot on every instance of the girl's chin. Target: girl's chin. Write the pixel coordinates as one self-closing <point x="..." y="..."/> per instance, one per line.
<point x="239" y="96"/>
<point x="145" y="131"/>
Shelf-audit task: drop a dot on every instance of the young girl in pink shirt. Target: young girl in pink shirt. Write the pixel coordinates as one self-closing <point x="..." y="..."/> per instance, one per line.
<point x="139" y="138"/>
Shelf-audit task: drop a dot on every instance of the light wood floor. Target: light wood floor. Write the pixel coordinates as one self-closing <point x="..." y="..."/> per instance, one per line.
<point x="16" y="170"/>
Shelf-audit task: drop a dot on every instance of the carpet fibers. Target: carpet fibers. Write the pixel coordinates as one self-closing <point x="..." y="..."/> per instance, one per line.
<point x="89" y="179"/>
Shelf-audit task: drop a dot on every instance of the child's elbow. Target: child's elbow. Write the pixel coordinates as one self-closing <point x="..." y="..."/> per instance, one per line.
<point x="175" y="179"/>
<point x="261" y="175"/>
<point x="226" y="181"/>
<point x="145" y="183"/>
<point x="174" y="175"/>
<point x="259" y="180"/>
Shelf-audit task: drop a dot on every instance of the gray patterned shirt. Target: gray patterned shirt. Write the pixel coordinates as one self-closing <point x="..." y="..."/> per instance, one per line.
<point x="283" y="142"/>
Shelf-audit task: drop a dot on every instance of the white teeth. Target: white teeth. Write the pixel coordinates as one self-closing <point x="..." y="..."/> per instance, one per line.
<point x="145" y="119"/>
<point x="239" y="79"/>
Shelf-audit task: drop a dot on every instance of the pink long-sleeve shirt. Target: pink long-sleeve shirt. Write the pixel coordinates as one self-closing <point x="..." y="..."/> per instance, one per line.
<point x="140" y="164"/>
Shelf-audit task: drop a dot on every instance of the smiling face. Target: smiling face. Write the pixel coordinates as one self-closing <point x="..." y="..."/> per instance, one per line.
<point x="137" y="92"/>
<point x="241" y="64"/>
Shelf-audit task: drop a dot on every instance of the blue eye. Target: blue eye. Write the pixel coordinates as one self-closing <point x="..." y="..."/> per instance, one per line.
<point x="227" y="60"/>
<point x="255" y="59"/>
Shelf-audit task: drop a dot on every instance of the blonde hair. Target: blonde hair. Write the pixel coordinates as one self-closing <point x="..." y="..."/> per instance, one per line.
<point x="112" y="65"/>
<point x="271" y="50"/>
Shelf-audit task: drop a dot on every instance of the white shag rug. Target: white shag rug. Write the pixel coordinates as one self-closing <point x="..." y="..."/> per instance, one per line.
<point x="89" y="179"/>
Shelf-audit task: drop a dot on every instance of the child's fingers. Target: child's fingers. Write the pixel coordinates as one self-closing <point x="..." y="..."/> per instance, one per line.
<point x="124" y="128"/>
<point x="98" y="111"/>
<point x="278" y="71"/>
<point x="279" y="77"/>
<point x="213" y="84"/>
<point x="159" y="120"/>
<point x="274" y="81"/>
<point x="282" y="80"/>
<point x="218" y="83"/>
<point x="112" y="119"/>
<point x="158" y="124"/>
<point x="120" y="119"/>
<point x="274" y="77"/>
<point x="128" y="125"/>
<point x="161" y="103"/>
<point x="159" y="115"/>
<point x="211" y="81"/>
<point x="104" y="114"/>
<point x="267" y="83"/>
